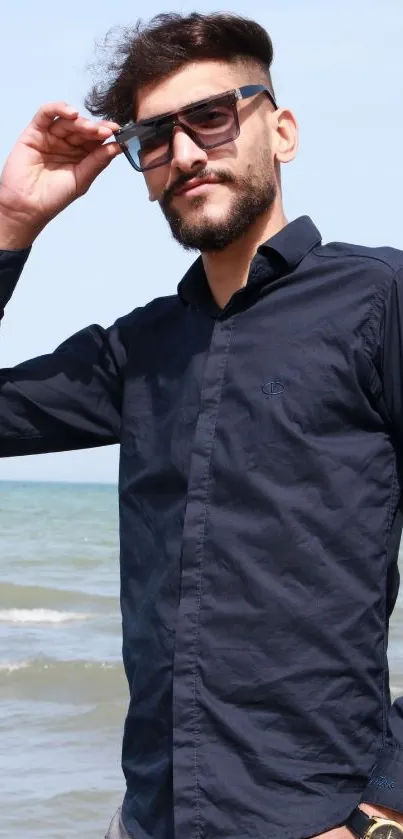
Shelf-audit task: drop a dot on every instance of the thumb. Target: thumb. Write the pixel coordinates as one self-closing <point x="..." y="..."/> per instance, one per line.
<point x="93" y="164"/>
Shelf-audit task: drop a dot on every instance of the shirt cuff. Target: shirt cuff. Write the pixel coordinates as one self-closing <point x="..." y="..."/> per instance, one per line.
<point x="385" y="785"/>
<point x="11" y="265"/>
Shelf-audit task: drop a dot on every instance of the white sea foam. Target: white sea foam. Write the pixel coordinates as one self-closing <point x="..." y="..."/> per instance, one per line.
<point x="39" y="616"/>
<point x="12" y="666"/>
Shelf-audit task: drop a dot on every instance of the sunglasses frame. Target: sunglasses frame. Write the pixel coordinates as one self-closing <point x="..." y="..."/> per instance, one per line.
<point x="173" y="118"/>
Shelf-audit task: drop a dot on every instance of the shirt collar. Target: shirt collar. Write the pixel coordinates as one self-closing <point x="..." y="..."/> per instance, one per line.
<point x="294" y="241"/>
<point x="282" y="253"/>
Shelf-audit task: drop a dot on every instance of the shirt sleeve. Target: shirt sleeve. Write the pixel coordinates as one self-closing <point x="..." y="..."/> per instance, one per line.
<point x="69" y="399"/>
<point x="385" y="785"/>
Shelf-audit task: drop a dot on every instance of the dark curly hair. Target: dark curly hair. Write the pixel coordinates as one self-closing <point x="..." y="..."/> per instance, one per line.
<point x="149" y="52"/>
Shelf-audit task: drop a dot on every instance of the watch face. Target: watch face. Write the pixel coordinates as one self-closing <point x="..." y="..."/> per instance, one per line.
<point x="387" y="831"/>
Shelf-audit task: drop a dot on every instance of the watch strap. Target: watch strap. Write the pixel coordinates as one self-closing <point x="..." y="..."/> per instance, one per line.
<point x="359" y="823"/>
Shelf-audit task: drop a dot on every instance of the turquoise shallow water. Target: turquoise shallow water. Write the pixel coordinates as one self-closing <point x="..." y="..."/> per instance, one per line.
<point x="63" y="694"/>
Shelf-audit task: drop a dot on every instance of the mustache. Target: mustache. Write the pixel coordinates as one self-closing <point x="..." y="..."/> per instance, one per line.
<point x="220" y="175"/>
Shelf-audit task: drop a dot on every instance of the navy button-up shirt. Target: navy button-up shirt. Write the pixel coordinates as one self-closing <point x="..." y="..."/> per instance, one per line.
<point x="260" y="486"/>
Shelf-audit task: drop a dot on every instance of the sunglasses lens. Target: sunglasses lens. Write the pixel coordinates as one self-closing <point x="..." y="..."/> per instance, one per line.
<point x="210" y="125"/>
<point x="150" y="148"/>
<point x="214" y="124"/>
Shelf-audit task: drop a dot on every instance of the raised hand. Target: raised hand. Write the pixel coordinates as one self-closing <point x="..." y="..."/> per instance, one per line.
<point x="54" y="162"/>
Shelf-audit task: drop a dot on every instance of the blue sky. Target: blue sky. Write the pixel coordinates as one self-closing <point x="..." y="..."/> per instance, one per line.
<point x="338" y="65"/>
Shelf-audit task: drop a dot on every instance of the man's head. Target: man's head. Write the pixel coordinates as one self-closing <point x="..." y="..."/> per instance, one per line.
<point x="169" y="65"/>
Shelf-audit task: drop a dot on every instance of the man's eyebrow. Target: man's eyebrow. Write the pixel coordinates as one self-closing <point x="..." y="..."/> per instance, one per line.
<point x="164" y="114"/>
<point x="191" y="104"/>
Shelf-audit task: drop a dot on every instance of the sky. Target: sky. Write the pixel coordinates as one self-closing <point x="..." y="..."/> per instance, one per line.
<point x="338" y="66"/>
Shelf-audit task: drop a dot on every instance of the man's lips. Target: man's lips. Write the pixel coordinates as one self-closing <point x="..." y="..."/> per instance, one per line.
<point x="194" y="183"/>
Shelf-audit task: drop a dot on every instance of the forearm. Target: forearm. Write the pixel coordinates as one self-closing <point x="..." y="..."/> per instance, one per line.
<point x="382" y="812"/>
<point x="371" y="810"/>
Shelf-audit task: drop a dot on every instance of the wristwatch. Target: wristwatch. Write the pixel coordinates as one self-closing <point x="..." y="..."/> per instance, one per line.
<point x="373" y="827"/>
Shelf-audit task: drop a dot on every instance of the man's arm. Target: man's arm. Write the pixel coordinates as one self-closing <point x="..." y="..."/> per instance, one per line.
<point x="383" y="795"/>
<point x="382" y="812"/>
<point x="71" y="398"/>
<point x="66" y="400"/>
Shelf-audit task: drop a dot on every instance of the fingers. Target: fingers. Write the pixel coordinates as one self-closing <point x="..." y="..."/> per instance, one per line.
<point x="47" y="113"/>
<point x="68" y="138"/>
<point x="62" y="120"/>
<point x="76" y="146"/>
<point x="87" y="128"/>
<point x="80" y="131"/>
<point x="93" y="164"/>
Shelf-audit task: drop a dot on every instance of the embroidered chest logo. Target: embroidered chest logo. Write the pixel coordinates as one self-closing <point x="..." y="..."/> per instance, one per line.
<point x="382" y="782"/>
<point x="274" y="388"/>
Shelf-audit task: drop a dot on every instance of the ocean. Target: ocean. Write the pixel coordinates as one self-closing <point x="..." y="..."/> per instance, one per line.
<point x="63" y="694"/>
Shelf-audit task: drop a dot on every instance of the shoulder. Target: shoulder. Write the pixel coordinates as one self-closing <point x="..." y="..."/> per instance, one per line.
<point x="385" y="260"/>
<point x="157" y="315"/>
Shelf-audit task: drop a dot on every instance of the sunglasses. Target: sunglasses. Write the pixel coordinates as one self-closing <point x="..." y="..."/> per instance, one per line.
<point x="209" y="122"/>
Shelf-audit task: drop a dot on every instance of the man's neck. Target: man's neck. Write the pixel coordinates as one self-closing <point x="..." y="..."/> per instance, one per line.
<point x="227" y="271"/>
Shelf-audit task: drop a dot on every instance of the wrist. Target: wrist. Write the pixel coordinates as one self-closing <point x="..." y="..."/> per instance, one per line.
<point x="14" y="237"/>
<point x="382" y="812"/>
<point x="16" y="234"/>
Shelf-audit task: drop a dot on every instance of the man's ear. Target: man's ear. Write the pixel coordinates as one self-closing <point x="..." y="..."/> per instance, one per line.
<point x="152" y="195"/>
<point x="284" y="135"/>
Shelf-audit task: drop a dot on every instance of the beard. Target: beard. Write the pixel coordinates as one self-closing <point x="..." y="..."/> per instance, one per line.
<point x="254" y="195"/>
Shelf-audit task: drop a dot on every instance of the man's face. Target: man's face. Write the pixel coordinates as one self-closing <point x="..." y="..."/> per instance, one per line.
<point x="219" y="213"/>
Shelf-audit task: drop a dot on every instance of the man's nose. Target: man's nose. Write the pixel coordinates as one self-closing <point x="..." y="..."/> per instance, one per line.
<point x="186" y="153"/>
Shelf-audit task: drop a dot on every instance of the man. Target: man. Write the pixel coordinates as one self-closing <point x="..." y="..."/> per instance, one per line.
<point x="259" y="414"/>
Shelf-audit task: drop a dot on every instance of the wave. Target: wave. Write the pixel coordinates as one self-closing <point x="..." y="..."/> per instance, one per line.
<point x="55" y="664"/>
<point x="71" y="682"/>
<point x="20" y="596"/>
<point x="12" y="666"/>
<point x="40" y="616"/>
